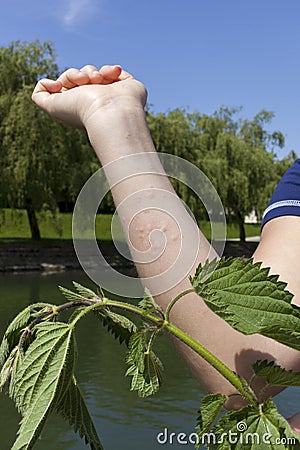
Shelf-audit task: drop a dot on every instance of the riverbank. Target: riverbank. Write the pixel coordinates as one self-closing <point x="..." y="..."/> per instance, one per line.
<point x="48" y="254"/>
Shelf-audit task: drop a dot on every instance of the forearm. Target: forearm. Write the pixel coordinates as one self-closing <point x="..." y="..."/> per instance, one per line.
<point x="143" y="195"/>
<point x="121" y="133"/>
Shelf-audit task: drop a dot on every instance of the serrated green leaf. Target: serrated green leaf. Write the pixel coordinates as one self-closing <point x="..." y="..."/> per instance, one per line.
<point x="250" y="300"/>
<point x="276" y="375"/>
<point x="120" y="326"/>
<point x="20" y="321"/>
<point x="72" y="296"/>
<point x="253" y="428"/>
<point x="205" y="271"/>
<point x="15" y="370"/>
<point x="43" y="375"/>
<point x="136" y="349"/>
<point x="210" y="408"/>
<point x="148" y="382"/>
<point x="12" y="333"/>
<point x="147" y="303"/>
<point x="84" y="292"/>
<point x="73" y="408"/>
<point x="77" y="311"/>
<point x="7" y="368"/>
<point x="4" y="351"/>
<point x="145" y="367"/>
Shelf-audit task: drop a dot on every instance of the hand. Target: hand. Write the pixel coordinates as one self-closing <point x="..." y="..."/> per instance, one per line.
<point x="74" y="97"/>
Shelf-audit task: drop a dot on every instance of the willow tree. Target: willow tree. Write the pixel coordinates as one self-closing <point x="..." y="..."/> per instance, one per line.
<point x="237" y="155"/>
<point x="175" y="133"/>
<point x="242" y="165"/>
<point x="41" y="161"/>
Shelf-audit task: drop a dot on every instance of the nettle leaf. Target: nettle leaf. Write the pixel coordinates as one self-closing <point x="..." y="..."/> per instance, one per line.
<point x="147" y="303"/>
<point x="85" y="292"/>
<point x="72" y="296"/>
<point x="249" y="299"/>
<point x="7" y="368"/>
<point x="276" y="375"/>
<point x="20" y="321"/>
<point x="148" y="382"/>
<point x="145" y="367"/>
<point x="73" y="408"/>
<point x="210" y="408"/>
<point x="120" y="326"/>
<point x="12" y="333"/>
<point x="42" y="376"/>
<point x="205" y="271"/>
<point x="18" y="358"/>
<point x="4" y="351"/>
<point x="136" y="349"/>
<point x="251" y="428"/>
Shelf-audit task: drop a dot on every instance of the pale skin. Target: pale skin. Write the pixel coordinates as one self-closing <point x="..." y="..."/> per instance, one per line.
<point x="99" y="100"/>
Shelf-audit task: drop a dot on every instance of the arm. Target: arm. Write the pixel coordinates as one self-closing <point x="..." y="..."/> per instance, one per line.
<point x="110" y="99"/>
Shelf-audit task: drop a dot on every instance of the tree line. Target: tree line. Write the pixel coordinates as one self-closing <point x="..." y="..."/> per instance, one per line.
<point x="44" y="164"/>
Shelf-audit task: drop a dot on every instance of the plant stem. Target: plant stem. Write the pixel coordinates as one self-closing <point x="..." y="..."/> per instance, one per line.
<point x="175" y="300"/>
<point x="190" y="342"/>
<point x="213" y="361"/>
<point x="85" y="311"/>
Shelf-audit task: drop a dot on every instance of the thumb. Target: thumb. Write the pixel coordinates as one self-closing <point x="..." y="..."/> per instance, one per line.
<point x="43" y="91"/>
<point x="294" y="422"/>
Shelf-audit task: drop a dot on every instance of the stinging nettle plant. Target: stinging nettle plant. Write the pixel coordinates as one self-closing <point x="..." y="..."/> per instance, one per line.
<point x="38" y="356"/>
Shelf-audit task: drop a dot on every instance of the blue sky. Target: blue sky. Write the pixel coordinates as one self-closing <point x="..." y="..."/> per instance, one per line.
<point x="194" y="54"/>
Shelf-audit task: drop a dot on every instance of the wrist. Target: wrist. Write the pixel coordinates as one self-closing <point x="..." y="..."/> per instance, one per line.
<point x="115" y="101"/>
<point x="107" y="112"/>
<point x="118" y="130"/>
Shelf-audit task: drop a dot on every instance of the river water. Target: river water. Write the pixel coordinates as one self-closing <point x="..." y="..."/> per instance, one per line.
<point x="123" y="420"/>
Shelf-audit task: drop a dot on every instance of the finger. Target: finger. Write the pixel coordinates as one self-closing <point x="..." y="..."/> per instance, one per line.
<point x="110" y="73"/>
<point x="95" y="76"/>
<point x="44" y="89"/>
<point x="125" y="76"/>
<point x="73" y="77"/>
<point x="89" y="68"/>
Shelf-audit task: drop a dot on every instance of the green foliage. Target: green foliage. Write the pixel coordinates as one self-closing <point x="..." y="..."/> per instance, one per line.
<point x="249" y="299"/>
<point x="9" y="340"/>
<point x="36" y="152"/>
<point x="48" y="364"/>
<point x="23" y="63"/>
<point x="276" y="375"/>
<point x="251" y="428"/>
<point x="147" y="303"/>
<point x="12" y="333"/>
<point x="210" y="408"/>
<point x="73" y="408"/>
<point x="120" y="326"/>
<point x="39" y="374"/>
<point x="145" y="367"/>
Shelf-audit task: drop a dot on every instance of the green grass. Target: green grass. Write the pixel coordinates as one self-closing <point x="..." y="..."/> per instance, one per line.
<point x="14" y="225"/>
<point x="232" y="230"/>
